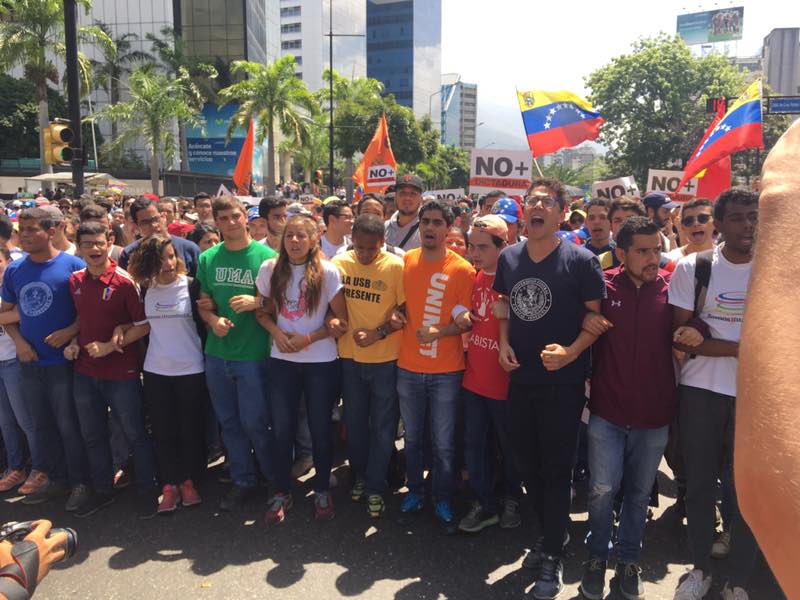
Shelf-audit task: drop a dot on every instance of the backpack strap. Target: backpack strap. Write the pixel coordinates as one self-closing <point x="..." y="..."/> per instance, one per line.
<point x="194" y="296"/>
<point x="702" y="278"/>
<point x="409" y="235"/>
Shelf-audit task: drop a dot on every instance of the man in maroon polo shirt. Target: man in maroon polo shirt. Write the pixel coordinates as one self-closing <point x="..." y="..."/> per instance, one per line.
<point x="111" y="317"/>
<point x="632" y="403"/>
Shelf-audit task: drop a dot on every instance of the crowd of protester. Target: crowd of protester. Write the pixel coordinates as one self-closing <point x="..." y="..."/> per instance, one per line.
<point x="517" y="343"/>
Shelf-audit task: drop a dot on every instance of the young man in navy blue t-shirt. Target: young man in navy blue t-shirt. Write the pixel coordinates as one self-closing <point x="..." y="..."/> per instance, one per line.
<point x="549" y="286"/>
<point x="39" y="285"/>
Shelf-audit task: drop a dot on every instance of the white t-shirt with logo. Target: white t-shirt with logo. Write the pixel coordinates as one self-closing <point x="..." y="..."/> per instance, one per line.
<point x="330" y="250"/>
<point x="8" y="349"/>
<point x="293" y="317"/>
<point x="174" y="347"/>
<point x="723" y="312"/>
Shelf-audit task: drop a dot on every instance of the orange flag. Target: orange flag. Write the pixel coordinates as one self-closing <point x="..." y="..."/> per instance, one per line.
<point x="244" y="166"/>
<point x="378" y="169"/>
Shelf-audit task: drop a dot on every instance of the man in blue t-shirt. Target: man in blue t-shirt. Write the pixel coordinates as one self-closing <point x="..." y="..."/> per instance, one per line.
<point x="549" y="286"/>
<point x="38" y="285"/>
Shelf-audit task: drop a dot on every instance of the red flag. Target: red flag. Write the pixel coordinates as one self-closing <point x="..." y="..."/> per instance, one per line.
<point x="716" y="180"/>
<point x="244" y="166"/>
<point x="378" y="169"/>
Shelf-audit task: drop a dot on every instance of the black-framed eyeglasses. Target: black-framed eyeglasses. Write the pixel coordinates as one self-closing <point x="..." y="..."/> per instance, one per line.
<point x="702" y="218"/>
<point x="97" y="244"/>
<point x="547" y="201"/>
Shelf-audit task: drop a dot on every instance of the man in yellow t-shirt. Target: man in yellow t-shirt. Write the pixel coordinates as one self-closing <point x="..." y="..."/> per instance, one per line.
<point x="373" y="287"/>
<point x="438" y="285"/>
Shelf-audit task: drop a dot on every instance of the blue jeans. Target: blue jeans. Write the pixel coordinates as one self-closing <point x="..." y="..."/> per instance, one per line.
<point x="93" y="398"/>
<point x="319" y="384"/>
<point x="48" y="390"/>
<point x="481" y="416"/>
<point x="238" y="390"/>
<point x="615" y="452"/>
<point x="16" y="423"/>
<point x="434" y="394"/>
<point x="371" y="413"/>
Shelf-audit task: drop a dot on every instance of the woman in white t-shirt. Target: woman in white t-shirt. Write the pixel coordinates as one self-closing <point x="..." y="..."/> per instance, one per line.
<point x="296" y="289"/>
<point x="174" y="380"/>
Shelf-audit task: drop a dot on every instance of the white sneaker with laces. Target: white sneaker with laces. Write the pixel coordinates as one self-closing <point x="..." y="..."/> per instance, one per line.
<point x="736" y="593"/>
<point x="693" y="587"/>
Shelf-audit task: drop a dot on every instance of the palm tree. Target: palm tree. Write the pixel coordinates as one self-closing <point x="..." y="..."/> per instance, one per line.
<point x="273" y="95"/>
<point x="156" y="100"/>
<point x="32" y="31"/>
<point x="313" y="153"/>
<point x="116" y="64"/>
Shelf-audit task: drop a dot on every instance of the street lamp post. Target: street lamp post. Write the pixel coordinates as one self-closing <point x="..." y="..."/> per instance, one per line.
<point x="73" y="91"/>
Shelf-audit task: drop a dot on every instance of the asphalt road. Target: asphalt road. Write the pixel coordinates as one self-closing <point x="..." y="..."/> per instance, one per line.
<point x="198" y="553"/>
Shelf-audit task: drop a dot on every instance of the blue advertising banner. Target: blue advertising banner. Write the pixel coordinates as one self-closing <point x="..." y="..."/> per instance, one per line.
<point x="712" y="26"/>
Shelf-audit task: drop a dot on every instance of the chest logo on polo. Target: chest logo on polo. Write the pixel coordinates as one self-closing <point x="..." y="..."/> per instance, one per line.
<point x="35" y="298"/>
<point x="531" y="299"/>
<point x="616" y="304"/>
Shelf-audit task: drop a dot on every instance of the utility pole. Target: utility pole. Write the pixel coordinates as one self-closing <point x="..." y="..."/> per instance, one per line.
<point x="73" y="92"/>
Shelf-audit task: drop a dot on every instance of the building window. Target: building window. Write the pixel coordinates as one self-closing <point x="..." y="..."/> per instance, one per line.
<point x="292" y="45"/>
<point x="290" y="11"/>
<point x="298" y="60"/>
<point x="299" y="74"/>
<point x="290" y="28"/>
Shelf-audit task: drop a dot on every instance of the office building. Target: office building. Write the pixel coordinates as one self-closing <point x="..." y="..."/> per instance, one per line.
<point x="748" y="64"/>
<point x="304" y="25"/>
<point x="781" y="60"/>
<point x="404" y="51"/>
<point x="459" y="111"/>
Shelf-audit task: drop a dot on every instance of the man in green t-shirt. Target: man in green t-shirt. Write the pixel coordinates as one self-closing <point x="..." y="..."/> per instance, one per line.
<point x="236" y="348"/>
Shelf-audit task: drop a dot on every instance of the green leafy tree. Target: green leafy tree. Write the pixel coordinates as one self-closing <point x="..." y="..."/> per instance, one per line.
<point x="311" y="154"/>
<point x="274" y="96"/>
<point x="19" y="125"/>
<point x="31" y="33"/>
<point x="447" y="167"/>
<point x="653" y="101"/>
<point x="156" y="101"/>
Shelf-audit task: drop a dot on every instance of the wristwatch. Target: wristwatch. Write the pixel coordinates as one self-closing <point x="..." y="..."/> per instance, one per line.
<point x="381" y="331"/>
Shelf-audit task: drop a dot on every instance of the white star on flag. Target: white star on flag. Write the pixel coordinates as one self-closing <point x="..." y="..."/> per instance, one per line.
<point x="547" y="125"/>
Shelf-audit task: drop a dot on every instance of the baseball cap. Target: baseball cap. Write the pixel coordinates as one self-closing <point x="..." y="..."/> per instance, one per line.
<point x="659" y="200"/>
<point x="180" y="229"/>
<point x="295" y="208"/>
<point x="253" y="214"/>
<point x="411" y="180"/>
<point x="507" y="209"/>
<point x="493" y="225"/>
<point x="577" y="211"/>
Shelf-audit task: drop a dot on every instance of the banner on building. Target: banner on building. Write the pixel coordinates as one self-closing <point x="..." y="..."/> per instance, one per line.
<point x="711" y="26"/>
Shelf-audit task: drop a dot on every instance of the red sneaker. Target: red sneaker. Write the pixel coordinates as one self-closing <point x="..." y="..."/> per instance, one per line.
<point x="189" y="495"/>
<point x="278" y="506"/>
<point x="323" y="506"/>
<point x="169" y="499"/>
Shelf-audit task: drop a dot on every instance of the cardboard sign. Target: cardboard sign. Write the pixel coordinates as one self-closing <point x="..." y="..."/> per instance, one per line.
<point x="446" y="195"/>
<point x="659" y="180"/>
<point x="614" y="188"/>
<point x="505" y="170"/>
<point x="380" y="175"/>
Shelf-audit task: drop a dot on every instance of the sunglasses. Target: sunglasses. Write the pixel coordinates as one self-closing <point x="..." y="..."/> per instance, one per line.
<point x="689" y="221"/>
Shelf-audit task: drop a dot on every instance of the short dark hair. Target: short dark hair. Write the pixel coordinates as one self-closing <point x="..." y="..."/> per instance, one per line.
<point x="634" y="226"/>
<point x="492" y="194"/>
<point x="104" y="203"/>
<point x="370" y="196"/>
<point x="737" y="195"/>
<point x="601" y="202"/>
<point x="368" y="225"/>
<point x="554" y="185"/>
<point x="92" y="212"/>
<point x="43" y="218"/>
<point x="333" y="208"/>
<point x="168" y="201"/>
<point x="141" y="203"/>
<point x="200" y="196"/>
<point x="625" y="203"/>
<point x="6" y="226"/>
<point x="697" y="203"/>
<point x="6" y="253"/>
<point x="200" y="230"/>
<point x="269" y="203"/>
<point x="435" y="204"/>
<point x="221" y="203"/>
<point x="91" y="228"/>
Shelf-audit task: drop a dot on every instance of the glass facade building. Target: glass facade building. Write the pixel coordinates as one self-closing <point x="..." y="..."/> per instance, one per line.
<point x="459" y="112"/>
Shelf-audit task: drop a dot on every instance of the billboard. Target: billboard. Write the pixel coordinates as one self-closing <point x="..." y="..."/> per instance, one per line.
<point x="210" y="154"/>
<point x="712" y="26"/>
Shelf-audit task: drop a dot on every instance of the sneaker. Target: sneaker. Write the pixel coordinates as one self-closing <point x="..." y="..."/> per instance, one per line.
<point x="277" y="507"/>
<point x="48" y="492"/>
<point x="234" y="499"/>
<point x="736" y="593"/>
<point x="593" y="582"/>
<point x="323" y="506"/>
<point x="628" y="578"/>
<point x="147" y="505"/>
<point x="122" y="479"/>
<point x="92" y="503"/>
<point x="169" y="499"/>
<point x="358" y="491"/>
<point x="477" y="519"/>
<point x="36" y="481"/>
<point x="410" y="507"/>
<point x="375" y="506"/>
<point x="189" y="495"/>
<point x="533" y="560"/>
<point x="77" y="496"/>
<point x="722" y="545"/>
<point x="550" y="581"/>
<point x="509" y="516"/>
<point x="332" y="481"/>
<point x="302" y="466"/>
<point x="11" y="479"/>
<point x="693" y="586"/>
<point x="444" y="512"/>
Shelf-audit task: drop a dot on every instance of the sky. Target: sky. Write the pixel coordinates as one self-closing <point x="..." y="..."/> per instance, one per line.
<point x="553" y="45"/>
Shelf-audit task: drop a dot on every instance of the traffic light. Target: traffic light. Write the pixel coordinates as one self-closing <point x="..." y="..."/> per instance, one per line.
<point x="57" y="138"/>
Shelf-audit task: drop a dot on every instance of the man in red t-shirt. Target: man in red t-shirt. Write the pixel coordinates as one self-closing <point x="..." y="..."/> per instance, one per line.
<point x="111" y="317"/>
<point x="485" y="388"/>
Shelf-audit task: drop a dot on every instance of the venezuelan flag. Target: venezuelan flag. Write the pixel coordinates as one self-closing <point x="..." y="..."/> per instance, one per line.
<point x="738" y="130"/>
<point x="555" y="120"/>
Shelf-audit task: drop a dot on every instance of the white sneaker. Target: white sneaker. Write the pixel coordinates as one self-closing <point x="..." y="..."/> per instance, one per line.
<point x="693" y="587"/>
<point x="736" y="593"/>
<point x="722" y="545"/>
